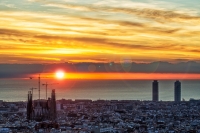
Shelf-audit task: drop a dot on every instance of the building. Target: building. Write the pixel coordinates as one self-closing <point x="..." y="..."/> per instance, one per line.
<point x="1" y="102"/>
<point x="41" y="109"/>
<point x="177" y="91"/>
<point x="53" y="106"/>
<point x="155" y="92"/>
<point x="29" y="107"/>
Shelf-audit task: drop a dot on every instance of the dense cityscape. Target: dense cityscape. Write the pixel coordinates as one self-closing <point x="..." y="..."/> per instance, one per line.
<point x="101" y="116"/>
<point x="99" y="66"/>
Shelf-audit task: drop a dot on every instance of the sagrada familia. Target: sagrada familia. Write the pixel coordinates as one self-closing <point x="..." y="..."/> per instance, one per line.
<point x="41" y="109"/>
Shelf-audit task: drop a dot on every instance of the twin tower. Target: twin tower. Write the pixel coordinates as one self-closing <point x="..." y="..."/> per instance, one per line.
<point x="177" y="91"/>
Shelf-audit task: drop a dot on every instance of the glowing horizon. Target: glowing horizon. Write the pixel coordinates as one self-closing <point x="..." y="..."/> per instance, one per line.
<point x="122" y="76"/>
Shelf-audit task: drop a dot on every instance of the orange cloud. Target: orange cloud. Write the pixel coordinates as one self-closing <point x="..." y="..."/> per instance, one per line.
<point x="143" y="34"/>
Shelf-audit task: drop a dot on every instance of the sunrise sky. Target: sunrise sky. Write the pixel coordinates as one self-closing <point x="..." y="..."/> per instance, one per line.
<point x="54" y="31"/>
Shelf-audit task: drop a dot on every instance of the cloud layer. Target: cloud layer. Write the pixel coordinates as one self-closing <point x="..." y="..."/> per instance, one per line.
<point x="36" y="31"/>
<point x="23" y="70"/>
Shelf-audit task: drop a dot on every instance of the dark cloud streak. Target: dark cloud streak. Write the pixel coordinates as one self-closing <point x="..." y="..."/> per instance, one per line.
<point x="17" y="70"/>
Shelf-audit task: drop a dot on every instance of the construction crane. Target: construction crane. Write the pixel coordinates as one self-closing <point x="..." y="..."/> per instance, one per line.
<point x="32" y="90"/>
<point x="46" y="84"/>
<point x="39" y="78"/>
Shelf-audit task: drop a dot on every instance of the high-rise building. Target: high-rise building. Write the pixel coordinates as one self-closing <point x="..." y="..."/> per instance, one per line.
<point x="177" y="91"/>
<point x="155" y="90"/>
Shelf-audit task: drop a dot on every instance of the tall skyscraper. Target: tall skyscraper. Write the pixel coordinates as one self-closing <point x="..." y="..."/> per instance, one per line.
<point x="155" y="90"/>
<point x="177" y="91"/>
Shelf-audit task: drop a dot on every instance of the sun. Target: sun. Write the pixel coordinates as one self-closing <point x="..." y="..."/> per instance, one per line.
<point x="60" y="74"/>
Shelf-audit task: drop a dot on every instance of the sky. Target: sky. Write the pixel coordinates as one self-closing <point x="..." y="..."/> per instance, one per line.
<point x="56" y="31"/>
<point x="107" y="71"/>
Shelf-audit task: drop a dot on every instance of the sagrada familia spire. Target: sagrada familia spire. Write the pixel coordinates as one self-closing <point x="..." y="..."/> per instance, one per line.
<point x="41" y="109"/>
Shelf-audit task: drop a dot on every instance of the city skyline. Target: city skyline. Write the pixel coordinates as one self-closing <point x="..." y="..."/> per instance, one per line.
<point x="55" y="31"/>
<point x="99" y="66"/>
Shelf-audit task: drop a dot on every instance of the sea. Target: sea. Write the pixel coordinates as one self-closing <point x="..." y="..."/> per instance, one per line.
<point x="17" y="89"/>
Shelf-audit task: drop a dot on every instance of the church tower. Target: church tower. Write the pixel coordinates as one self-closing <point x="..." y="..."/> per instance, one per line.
<point x="53" y="114"/>
<point x="29" y="106"/>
